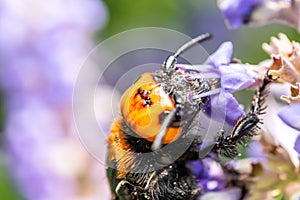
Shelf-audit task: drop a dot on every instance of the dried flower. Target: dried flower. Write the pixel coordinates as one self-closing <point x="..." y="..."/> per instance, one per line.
<point x="294" y="97"/>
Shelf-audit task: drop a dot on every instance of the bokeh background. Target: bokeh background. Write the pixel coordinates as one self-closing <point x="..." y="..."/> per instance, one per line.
<point x="42" y="45"/>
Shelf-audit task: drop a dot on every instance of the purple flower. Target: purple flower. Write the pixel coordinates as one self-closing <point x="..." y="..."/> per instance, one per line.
<point x="234" y="77"/>
<point x="43" y="46"/>
<point x="43" y="54"/>
<point x="291" y="115"/>
<point x="282" y="133"/>
<point x="255" y="150"/>
<point x="227" y="194"/>
<point x="29" y="145"/>
<point x="237" y="12"/>
<point x="297" y="145"/>
<point x="209" y="175"/>
<point x="46" y="161"/>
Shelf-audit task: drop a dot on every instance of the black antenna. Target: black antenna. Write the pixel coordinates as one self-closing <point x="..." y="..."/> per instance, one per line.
<point x="191" y="43"/>
<point x="171" y="60"/>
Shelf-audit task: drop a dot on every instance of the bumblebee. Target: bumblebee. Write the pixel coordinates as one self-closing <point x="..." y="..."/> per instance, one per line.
<point x="157" y="121"/>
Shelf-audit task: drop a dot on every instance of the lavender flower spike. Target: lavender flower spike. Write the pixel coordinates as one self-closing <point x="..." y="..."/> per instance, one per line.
<point x="234" y="77"/>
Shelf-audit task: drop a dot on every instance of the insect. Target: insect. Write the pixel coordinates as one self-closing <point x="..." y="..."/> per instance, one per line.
<point x="245" y="126"/>
<point x="157" y="111"/>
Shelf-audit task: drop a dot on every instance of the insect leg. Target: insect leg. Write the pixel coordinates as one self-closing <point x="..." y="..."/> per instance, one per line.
<point x="245" y="126"/>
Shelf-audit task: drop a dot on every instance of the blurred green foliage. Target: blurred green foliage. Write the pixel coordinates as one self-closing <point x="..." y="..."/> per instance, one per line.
<point x="8" y="190"/>
<point x="124" y="14"/>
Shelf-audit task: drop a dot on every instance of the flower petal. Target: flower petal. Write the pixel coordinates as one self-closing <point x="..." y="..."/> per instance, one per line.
<point x="222" y="56"/>
<point x="281" y="132"/>
<point x="235" y="77"/>
<point x="291" y="115"/>
<point x="255" y="150"/>
<point x="209" y="174"/>
<point x="294" y="96"/>
<point x="224" y="107"/>
<point x="227" y="194"/>
<point x="281" y="45"/>
<point x="237" y="12"/>
<point x="297" y="145"/>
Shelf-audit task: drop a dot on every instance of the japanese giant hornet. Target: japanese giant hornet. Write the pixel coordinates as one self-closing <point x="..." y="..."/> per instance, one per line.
<point x="157" y="112"/>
